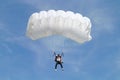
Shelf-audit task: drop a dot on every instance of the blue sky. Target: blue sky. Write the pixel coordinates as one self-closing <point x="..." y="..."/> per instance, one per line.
<point x="24" y="59"/>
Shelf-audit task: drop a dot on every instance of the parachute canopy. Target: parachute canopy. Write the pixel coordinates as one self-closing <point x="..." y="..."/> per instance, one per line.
<point x="66" y="23"/>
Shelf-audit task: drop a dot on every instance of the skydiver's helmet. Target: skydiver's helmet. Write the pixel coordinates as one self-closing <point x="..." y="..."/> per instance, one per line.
<point x="58" y="55"/>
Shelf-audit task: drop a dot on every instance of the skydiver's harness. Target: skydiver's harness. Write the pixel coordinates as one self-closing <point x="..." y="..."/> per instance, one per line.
<point x="58" y="59"/>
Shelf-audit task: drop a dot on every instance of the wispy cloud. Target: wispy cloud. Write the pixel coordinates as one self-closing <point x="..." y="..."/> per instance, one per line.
<point x="5" y="32"/>
<point x="33" y="47"/>
<point x="39" y="4"/>
<point x="102" y="21"/>
<point x="8" y="38"/>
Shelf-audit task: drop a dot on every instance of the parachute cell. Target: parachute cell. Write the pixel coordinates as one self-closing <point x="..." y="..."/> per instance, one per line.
<point x="69" y="24"/>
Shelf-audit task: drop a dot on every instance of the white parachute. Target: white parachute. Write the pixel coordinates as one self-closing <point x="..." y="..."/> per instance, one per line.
<point x="66" y="23"/>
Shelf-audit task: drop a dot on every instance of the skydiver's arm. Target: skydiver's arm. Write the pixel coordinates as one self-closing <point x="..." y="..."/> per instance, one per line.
<point x="62" y="54"/>
<point x="54" y="54"/>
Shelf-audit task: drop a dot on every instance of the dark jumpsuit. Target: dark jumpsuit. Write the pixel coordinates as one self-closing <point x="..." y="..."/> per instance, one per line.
<point x="58" y="62"/>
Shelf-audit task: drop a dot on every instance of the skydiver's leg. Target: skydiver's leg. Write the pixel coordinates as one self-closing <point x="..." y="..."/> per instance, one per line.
<point x="56" y="65"/>
<point x="61" y="65"/>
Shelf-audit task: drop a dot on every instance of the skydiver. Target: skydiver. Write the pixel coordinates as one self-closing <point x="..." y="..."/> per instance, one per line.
<point x="58" y="60"/>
